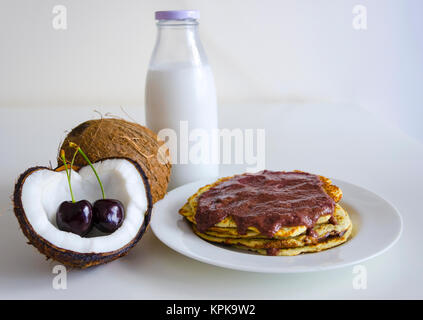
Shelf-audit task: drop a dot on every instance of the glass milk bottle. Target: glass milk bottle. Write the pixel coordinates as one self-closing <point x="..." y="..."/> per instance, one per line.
<point x="180" y="97"/>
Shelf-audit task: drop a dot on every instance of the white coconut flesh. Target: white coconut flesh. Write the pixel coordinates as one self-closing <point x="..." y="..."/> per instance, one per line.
<point x="44" y="191"/>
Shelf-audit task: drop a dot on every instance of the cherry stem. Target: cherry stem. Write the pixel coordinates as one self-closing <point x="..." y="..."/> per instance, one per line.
<point x="62" y="154"/>
<point x="73" y="160"/>
<point x="78" y="148"/>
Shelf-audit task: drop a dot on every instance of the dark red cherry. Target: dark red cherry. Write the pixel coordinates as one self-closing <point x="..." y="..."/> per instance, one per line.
<point x="75" y="217"/>
<point x="108" y="214"/>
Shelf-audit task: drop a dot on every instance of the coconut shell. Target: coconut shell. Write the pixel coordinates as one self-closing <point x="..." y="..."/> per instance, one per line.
<point x="67" y="257"/>
<point x="110" y="137"/>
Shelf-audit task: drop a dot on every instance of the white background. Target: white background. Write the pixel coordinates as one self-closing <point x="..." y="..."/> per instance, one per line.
<point x="261" y="51"/>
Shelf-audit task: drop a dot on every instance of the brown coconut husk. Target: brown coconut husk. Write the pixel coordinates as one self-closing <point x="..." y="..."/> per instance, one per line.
<point x="111" y="137"/>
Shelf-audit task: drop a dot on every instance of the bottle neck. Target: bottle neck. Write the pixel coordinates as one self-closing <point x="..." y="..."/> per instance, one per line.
<point x="178" y="42"/>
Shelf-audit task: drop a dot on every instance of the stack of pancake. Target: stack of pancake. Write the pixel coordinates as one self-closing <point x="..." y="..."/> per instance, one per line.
<point x="330" y="228"/>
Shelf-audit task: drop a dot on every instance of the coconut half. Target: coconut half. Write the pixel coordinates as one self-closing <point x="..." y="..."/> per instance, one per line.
<point x="40" y="190"/>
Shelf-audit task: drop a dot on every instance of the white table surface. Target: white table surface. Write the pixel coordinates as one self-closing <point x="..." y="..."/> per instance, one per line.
<point x="336" y="141"/>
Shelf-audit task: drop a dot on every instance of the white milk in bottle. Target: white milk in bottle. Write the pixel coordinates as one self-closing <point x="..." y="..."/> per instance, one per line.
<point x="180" y="95"/>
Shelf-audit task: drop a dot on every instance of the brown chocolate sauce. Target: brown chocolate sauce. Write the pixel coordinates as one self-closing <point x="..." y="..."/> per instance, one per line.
<point x="331" y="235"/>
<point x="267" y="200"/>
<point x="272" y="251"/>
<point x="332" y="220"/>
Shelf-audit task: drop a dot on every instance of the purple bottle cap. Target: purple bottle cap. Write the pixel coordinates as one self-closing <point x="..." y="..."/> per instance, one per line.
<point x="177" y="14"/>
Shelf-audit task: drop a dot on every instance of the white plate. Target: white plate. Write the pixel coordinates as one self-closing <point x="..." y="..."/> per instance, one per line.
<point x="377" y="226"/>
